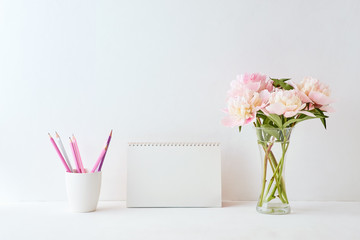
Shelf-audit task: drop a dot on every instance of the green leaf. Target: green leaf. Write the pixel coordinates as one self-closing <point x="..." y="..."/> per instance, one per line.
<point x="281" y="83"/>
<point x="280" y="79"/>
<point x="318" y="114"/>
<point x="267" y="121"/>
<point x="276" y="119"/>
<point x="296" y="120"/>
<point x="323" y="116"/>
<point x="261" y="115"/>
<point x="323" y="120"/>
<point x="239" y="128"/>
<point x="258" y="122"/>
<point x="303" y="117"/>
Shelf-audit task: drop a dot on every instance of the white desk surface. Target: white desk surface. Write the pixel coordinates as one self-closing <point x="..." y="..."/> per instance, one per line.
<point x="236" y="220"/>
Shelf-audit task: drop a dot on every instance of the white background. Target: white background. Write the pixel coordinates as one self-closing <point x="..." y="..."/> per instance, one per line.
<point x="159" y="71"/>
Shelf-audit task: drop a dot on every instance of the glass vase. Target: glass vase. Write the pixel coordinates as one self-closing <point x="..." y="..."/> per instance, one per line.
<point x="273" y="145"/>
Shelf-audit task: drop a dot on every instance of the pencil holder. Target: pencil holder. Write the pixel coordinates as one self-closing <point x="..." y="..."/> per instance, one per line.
<point x="83" y="190"/>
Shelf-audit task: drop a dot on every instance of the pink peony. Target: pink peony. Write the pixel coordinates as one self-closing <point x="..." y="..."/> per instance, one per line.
<point x="313" y="91"/>
<point x="242" y="109"/>
<point x="255" y="82"/>
<point x="285" y="102"/>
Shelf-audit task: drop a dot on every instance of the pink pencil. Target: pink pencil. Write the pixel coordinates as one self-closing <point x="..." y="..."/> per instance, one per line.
<point x="102" y="154"/>
<point x="59" y="153"/>
<point x="74" y="154"/>
<point x="78" y="155"/>
<point x="107" y="146"/>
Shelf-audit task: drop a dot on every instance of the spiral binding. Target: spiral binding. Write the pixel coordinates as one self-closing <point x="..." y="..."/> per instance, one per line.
<point x="173" y="144"/>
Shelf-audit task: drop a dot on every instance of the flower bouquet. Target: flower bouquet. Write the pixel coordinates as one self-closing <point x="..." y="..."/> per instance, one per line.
<point x="275" y="106"/>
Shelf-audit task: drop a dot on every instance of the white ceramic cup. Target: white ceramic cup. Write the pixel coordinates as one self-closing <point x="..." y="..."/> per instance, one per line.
<point x="83" y="190"/>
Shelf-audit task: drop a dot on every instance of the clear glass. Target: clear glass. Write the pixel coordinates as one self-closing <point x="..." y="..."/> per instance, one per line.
<point x="273" y="145"/>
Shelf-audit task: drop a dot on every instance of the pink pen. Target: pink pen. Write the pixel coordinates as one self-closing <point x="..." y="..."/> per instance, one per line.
<point x="75" y="158"/>
<point x="59" y="153"/>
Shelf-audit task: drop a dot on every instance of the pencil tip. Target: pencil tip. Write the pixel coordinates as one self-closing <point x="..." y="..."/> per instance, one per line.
<point x="57" y="135"/>
<point x="111" y="132"/>
<point x="49" y="135"/>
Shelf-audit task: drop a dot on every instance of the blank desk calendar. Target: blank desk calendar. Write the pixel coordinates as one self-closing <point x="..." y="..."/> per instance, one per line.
<point x="174" y="175"/>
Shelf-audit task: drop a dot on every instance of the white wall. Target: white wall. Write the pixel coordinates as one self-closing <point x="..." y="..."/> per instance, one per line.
<point x="159" y="71"/>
